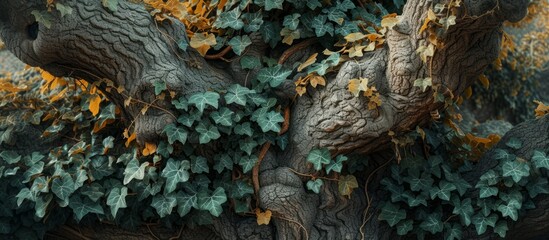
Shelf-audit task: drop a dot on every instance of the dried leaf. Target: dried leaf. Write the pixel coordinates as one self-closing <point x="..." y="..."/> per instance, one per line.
<point x="263" y="218"/>
<point x="308" y="62"/>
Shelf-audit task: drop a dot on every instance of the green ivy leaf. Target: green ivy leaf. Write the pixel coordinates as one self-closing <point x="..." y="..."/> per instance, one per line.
<point x="464" y="209"/>
<point x="240" y="189"/>
<point x="540" y="186"/>
<point x="222" y="162"/>
<point x="253" y="21"/>
<point x="175" y="172"/>
<point x="443" y="191"/>
<point x="488" y="192"/>
<point x="321" y="26"/>
<point x="247" y="163"/>
<point x="249" y="62"/>
<point x="274" y="76"/>
<point x="500" y="154"/>
<point x="212" y="203"/>
<point x="432" y="224"/>
<point x="186" y="202"/>
<point x="159" y="86"/>
<point x="117" y="199"/>
<point x="37" y="168"/>
<point x="164" y="204"/>
<point x="41" y="205"/>
<point x="490" y="177"/>
<point x="63" y="187"/>
<point x="134" y="171"/>
<point x="25" y="193"/>
<point x="314" y="185"/>
<point x="273" y="4"/>
<point x="199" y="165"/>
<point x="501" y="228"/>
<point x="239" y="43"/>
<point x="270" y="121"/>
<point x="223" y="117"/>
<point x="336" y="165"/>
<point x="405" y="227"/>
<point x="453" y="232"/>
<point x="318" y="157"/>
<point x="200" y="100"/>
<point x="516" y="170"/>
<point x="175" y="133"/>
<point x="508" y="210"/>
<point x="392" y="214"/>
<point x="237" y="94"/>
<point x="514" y="143"/>
<point x="93" y="191"/>
<point x="181" y="104"/>
<point x="417" y="183"/>
<point x="540" y="160"/>
<point x="346" y="185"/>
<point x="291" y="21"/>
<point x="10" y="157"/>
<point x="112" y="5"/>
<point x="481" y="222"/>
<point x="229" y="19"/>
<point x="248" y="145"/>
<point x="244" y="129"/>
<point x="188" y="119"/>
<point x="207" y="133"/>
<point x="82" y="208"/>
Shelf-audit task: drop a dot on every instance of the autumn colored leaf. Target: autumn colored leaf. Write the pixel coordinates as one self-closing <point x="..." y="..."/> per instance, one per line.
<point x="389" y="20"/>
<point x="202" y="42"/>
<point x="541" y="110"/>
<point x="308" y="62"/>
<point x="263" y="218"/>
<point x="130" y="139"/>
<point x="95" y="101"/>
<point x="484" y="80"/>
<point x="353" y="37"/>
<point x="150" y="148"/>
<point x="317" y="80"/>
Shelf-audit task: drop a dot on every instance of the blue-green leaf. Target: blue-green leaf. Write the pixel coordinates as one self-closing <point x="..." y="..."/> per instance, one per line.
<point x="37" y="168"/>
<point x="488" y="192"/>
<point x="273" y="4"/>
<point x="200" y="100"/>
<point x="164" y="204"/>
<point x="10" y="157"/>
<point x="249" y="62"/>
<point x="63" y="187"/>
<point x="291" y="21"/>
<point x="481" y="222"/>
<point x="315" y="185"/>
<point x="223" y="117"/>
<point x="112" y="5"/>
<point x="229" y="19"/>
<point x="270" y="121"/>
<point x="134" y="171"/>
<point x="319" y="157"/>
<point x="240" y="189"/>
<point x="207" y="133"/>
<point x="501" y="228"/>
<point x="514" y="143"/>
<point x="432" y="224"/>
<point x="117" y="199"/>
<point x="212" y="203"/>
<point x="248" y="145"/>
<point x="508" y="210"/>
<point x="239" y="43"/>
<point x="223" y="162"/>
<point x="186" y="202"/>
<point x="244" y="129"/>
<point x="181" y="104"/>
<point x="443" y="191"/>
<point x="199" y="165"/>
<point x="159" y="86"/>
<point x="464" y="209"/>
<point x="82" y="208"/>
<point x="515" y="169"/>
<point x="392" y="214"/>
<point x="540" y="160"/>
<point x="405" y="227"/>
<point x="247" y="163"/>
<point x="237" y="94"/>
<point x="175" y="172"/>
<point x="274" y="76"/>
<point x="336" y="165"/>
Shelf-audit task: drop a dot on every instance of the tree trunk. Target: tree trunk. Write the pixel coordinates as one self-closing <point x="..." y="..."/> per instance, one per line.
<point x="128" y="48"/>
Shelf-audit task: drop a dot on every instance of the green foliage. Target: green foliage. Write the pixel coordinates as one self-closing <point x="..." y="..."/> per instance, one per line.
<point x="498" y="197"/>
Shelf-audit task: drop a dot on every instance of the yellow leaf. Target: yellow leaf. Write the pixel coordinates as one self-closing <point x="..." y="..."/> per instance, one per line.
<point x="263" y="218"/>
<point x="354" y="86"/>
<point x="484" y="80"/>
<point x="355" y="51"/>
<point x="149" y="149"/>
<point x="130" y="138"/>
<point x="145" y="109"/>
<point x="95" y="101"/>
<point x="308" y="62"/>
<point x="202" y="42"/>
<point x="353" y="37"/>
<point x="370" y="47"/>
<point x="541" y="110"/>
<point x="301" y="90"/>
<point x="389" y="21"/>
<point x="317" y="80"/>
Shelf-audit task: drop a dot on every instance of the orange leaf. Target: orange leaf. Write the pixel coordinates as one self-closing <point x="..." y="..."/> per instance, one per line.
<point x="263" y="218"/>
<point x="130" y="139"/>
<point x="309" y="61"/>
<point x="149" y="149"/>
<point x="95" y="101"/>
<point x="468" y="92"/>
<point x="541" y="110"/>
<point x="317" y="80"/>
<point x="484" y="80"/>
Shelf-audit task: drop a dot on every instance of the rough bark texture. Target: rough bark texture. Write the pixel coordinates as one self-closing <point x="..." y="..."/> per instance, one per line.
<point x="130" y="49"/>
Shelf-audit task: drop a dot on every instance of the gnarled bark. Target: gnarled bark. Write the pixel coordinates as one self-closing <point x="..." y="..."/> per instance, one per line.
<point x="130" y="49"/>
